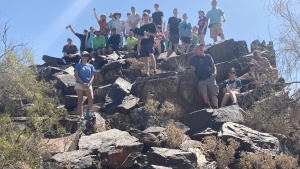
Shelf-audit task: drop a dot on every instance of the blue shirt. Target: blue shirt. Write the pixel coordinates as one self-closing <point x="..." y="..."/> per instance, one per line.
<point x="233" y="84"/>
<point x="214" y="15"/>
<point x="109" y="24"/>
<point x="185" y="29"/>
<point x="90" y="40"/>
<point x="204" y="66"/>
<point x="85" y="71"/>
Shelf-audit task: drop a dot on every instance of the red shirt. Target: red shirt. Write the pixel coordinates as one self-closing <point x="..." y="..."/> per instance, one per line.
<point x="104" y="27"/>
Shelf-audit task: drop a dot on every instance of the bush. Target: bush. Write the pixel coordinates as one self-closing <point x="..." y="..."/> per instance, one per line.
<point x="175" y="136"/>
<point x="218" y="150"/>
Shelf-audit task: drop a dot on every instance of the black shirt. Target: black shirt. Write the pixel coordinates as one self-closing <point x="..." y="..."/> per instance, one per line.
<point x="174" y="22"/>
<point x="82" y="41"/>
<point x="114" y="40"/>
<point x="150" y="27"/>
<point x="70" y="49"/>
<point x="157" y="17"/>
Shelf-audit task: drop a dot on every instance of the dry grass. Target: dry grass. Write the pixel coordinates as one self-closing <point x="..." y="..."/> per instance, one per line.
<point x="259" y="160"/>
<point x="135" y="63"/>
<point x="175" y="136"/>
<point x="218" y="150"/>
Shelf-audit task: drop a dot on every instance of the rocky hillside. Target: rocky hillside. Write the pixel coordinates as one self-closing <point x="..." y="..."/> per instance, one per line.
<point x="157" y="122"/>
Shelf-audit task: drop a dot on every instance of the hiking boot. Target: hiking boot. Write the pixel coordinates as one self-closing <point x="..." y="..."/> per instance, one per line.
<point x="81" y="118"/>
<point x="214" y="107"/>
<point x="206" y="106"/>
<point x="88" y="114"/>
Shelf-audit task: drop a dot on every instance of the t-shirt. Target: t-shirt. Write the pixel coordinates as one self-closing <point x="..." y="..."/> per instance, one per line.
<point x="127" y="26"/>
<point x="82" y="41"/>
<point x="174" y="22"/>
<point x="204" y="66"/>
<point x="150" y="27"/>
<point x="143" y="23"/>
<point x="233" y="84"/>
<point x="157" y="17"/>
<point x="130" y="41"/>
<point x="118" y="25"/>
<point x="70" y="49"/>
<point x="99" y="42"/>
<point x="185" y="28"/>
<point x="214" y="15"/>
<point x="103" y="27"/>
<point x="134" y="18"/>
<point x="195" y="39"/>
<point x="262" y="64"/>
<point x="85" y="71"/>
<point x="90" y="40"/>
<point x="109" y="24"/>
<point x="114" y="39"/>
<point x="201" y="23"/>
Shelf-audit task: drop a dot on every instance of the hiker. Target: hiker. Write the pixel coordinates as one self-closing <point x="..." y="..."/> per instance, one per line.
<point x="215" y="15"/>
<point x="134" y="21"/>
<point x="232" y="87"/>
<point x="98" y="44"/>
<point x="82" y="37"/>
<point x="195" y="38"/>
<point x="109" y="23"/>
<point x="127" y="25"/>
<point x="131" y="42"/>
<point x="204" y="67"/>
<point x="185" y="29"/>
<point x="253" y="77"/>
<point x="84" y="74"/>
<point x="158" y="16"/>
<point x="202" y="25"/>
<point x="70" y="52"/>
<point x="146" y="34"/>
<point x="173" y="29"/>
<point x="119" y="25"/>
<point x="89" y="40"/>
<point x="113" y="41"/>
<point x="142" y="20"/>
<point x="103" y="23"/>
<point x="159" y="40"/>
<point x="263" y="65"/>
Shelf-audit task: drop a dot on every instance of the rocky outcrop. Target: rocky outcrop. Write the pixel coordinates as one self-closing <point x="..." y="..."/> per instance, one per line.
<point x="75" y="159"/>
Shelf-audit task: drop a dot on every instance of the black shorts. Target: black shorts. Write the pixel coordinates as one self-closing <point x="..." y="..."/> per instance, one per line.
<point x="135" y="31"/>
<point x="186" y="40"/>
<point x="147" y="49"/>
<point x="174" y="38"/>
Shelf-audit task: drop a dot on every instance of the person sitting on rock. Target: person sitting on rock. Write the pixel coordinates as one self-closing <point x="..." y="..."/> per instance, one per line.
<point x="263" y="65"/>
<point x="185" y="29"/>
<point x="159" y="40"/>
<point x="113" y="41"/>
<point x="98" y="44"/>
<point x="204" y="67"/>
<point x="70" y="52"/>
<point x="82" y="37"/>
<point x="131" y="42"/>
<point x="233" y="86"/>
<point x="84" y="74"/>
<point x="253" y="77"/>
<point x="195" y="38"/>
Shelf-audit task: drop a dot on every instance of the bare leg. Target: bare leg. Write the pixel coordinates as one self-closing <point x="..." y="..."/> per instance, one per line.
<point x="205" y="98"/>
<point x="99" y="51"/>
<point x="187" y="48"/>
<point x="146" y="62"/>
<point x="215" y="100"/>
<point x="222" y="36"/>
<point x="175" y="47"/>
<point x="233" y="96"/>
<point x="215" y="39"/>
<point x="225" y="99"/>
<point x="80" y="101"/>
<point x="201" y="38"/>
<point x="170" y="46"/>
<point x="153" y="61"/>
<point x="90" y="96"/>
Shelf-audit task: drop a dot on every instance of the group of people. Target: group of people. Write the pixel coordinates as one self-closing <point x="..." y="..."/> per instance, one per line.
<point x="260" y="72"/>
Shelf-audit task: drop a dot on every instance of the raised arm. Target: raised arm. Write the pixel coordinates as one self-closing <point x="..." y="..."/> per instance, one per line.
<point x="95" y="14"/>
<point x="71" y="28"/>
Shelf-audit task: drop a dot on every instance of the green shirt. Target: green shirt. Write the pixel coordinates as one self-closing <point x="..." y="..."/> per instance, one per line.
<point x="99" y="42"/>
<point x="131" y="41"/>
<point x="195" y="39"/>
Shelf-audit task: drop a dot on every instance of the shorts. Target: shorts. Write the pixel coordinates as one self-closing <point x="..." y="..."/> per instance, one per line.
<point x="78" y="86"/>
<point x="186" y="40"/>
<point x="147" y="49"/>
<point x="215" y="30"/>
<point x="208" y="86"/>
<point x="204" y="33"/>
<point x="174" y="38"/>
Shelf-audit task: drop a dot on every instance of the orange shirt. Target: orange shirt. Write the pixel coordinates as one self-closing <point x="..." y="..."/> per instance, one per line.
<point x="104" y="27"/>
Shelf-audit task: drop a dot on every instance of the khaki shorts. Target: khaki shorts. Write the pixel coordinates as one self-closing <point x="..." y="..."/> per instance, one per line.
<point x="215" y="30"/>
<point x="208" y="86"/>
<point x="78" y="86"/>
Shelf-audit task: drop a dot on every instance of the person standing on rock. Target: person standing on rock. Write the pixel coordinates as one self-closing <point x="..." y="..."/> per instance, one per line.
<point x="82" y="37"/>
<point x="185" y="29"/>
<point x="147" y="33"/>
<point x="158" y="17"/>
<point x="103" y="23"/>
<point x="204" y="67"/>
<point x="215" y="16"/>
<point x="232" y="87"/>
<point x="202" y="25"/>
<point x="173" y="29"/>
<point x="84" y="74"/>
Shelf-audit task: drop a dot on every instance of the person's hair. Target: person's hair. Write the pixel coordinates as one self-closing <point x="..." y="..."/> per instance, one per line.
<point x="185" y="15"/>
<point x="231" y="69"/>
<point x="159" y="26"/>
<point x="203" y="14"/>
<point x="69" y="39"/>
<point x="113" y="28"/>
<point x="200" y="46"/>
<point x="128" y="13"/>
<point x="256" y="52"/>
<point x="156" y="5"/>
<point x="195" y="27"/>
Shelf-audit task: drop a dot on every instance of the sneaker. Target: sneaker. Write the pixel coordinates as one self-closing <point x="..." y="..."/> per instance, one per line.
<point x="81" y="118"/>
<point x="88" y="114"/>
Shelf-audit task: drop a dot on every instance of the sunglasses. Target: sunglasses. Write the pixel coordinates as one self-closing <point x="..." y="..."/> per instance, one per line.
<point x="232" y="72"/>
<point x="85" y="56"/>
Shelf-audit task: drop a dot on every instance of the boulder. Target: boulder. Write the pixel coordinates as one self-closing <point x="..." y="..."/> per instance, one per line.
<point x="202" y="134"/>
<point x="98" y="79"/>
<point x="99" y="123"/>
<point x="66" y="83"/>
<point x="75" y="159"/>
<point x="176" y="159"/>
<point x="113" y="146"/>
<point x="177" y="63"/>
<point x="199" y="120"/>
<point x="231" y="113"/>
<point x="100" y="93"/>
<point x="128" y="104"/>
<point x="53" y="61"/>
<point x="223" y="51"/>
<point x="149" y="139"/>
<point x="155" y="130"/>
<point x="158" y="167"/>
<point x="114" y="65"/>
<point x="71" y="102"/>
<point x="240" y="48"/>
<point x="120" y="89"/>
<point x="250" y="140"/>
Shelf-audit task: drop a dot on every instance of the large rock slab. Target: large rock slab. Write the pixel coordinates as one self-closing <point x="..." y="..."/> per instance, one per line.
<point x="66" y="83"/>
<point x="120" y="89"/>
<point x="71" y="101"/>
<point x="176" y="159"/>
<point x="222" y="51"/>
<point x="53" y="61"/>
<point x="199" y="120"/>
<point x="250" y="140"/>
<point x="177" y="62"/>
<point x="75" y="159"/>
<point x="149" y="139"/>
<point x="231" y="113"/>
<point x="128" y="104"/>
<point x="113" y="146"/>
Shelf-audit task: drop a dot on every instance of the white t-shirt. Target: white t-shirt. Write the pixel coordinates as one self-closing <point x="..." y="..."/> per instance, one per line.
<point x="118" y="25"/>
<point x="134" y="18"/>
<point x="127" y="26"/>
<point x="142" y="21"/>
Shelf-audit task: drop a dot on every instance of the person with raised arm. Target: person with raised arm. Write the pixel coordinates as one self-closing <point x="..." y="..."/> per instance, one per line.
<point x="103" y="23"/>
<point x="82" y="37"/>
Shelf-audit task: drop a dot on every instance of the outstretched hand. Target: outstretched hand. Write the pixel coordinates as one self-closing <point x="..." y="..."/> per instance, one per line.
<point x="94" y="9"/>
